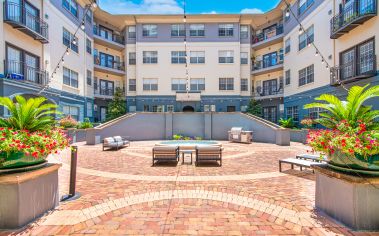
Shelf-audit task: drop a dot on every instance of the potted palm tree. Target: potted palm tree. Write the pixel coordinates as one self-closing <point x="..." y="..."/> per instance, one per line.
<point x="351" y="143"/>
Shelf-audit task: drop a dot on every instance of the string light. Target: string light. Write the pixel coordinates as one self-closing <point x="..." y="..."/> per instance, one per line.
<point x="83" y="27"/>
<point x="287" y="12"/>
<point x="316" y="54"/>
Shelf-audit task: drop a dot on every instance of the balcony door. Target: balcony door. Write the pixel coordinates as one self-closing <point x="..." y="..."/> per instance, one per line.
<point x="106" y="88"/>
<point x="270" y="114"/>
<point x="31" y="67"/>
<point x="106" y="60"/>
<point x="366" y="58"/>
<point x="13" y="62"/>
<point x="105" y="32"/>
<point x="270" y="59"/>
<point x="14" y="10"/>
<point x="31" y="17"/>
<point x="348" y="64"/>
<point x="270" y="87"/>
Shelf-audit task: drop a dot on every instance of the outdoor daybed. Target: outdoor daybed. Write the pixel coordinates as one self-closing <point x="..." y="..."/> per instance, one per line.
<point x="208" y="153"/>
<point x="116" y="142"/>
<point x="165" y="153"/>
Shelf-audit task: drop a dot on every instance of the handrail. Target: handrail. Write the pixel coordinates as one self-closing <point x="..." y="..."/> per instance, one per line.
<point x="114" y="37"/>
<point x="266" y="122"/>
<point x="115" y="64"/>
<point x="261" y="37"/>
<point x="21" y="71"/>
<point x="111" y="122"/>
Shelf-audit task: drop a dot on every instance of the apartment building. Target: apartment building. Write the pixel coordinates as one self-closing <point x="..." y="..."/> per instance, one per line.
<point x="345" y="33"/>
<point x="207" y="63"/>
<point x="34" y="36"/>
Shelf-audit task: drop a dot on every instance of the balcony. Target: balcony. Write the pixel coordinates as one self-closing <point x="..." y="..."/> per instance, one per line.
<point x="353" y="71"/>
<point x="354" y="13"/>
<point x="113" y="41"/>
<point x="269" y="38"/>
<point x="114" y="68"/>
<point x="267" y="66"/>
<point x="106" y="93"/>
<point x="20" y="18"/>
<point x="267" y="93"/>
<point x="21" y="72"/>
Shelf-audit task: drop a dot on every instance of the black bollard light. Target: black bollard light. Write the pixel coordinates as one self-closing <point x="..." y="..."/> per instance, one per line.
<point x="72" y="195"/>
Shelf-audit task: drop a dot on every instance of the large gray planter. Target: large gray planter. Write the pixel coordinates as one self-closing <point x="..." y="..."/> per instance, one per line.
<point x="348" y="199"/>
<point x="299" y="136"/>
<point x="28" y="195"/>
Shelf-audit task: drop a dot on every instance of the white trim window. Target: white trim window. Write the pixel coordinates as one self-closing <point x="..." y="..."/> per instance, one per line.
<point x="70" y="77"/>
<point x="178" y="57"/>
<point x="132" y="32"/>
<point x="132" y="58"/>
<point x="198" y="84"/>
<point x="70" y="41"/>
<point x="244" y="32"/>
<point x="225" y="30"/>
<point x="178" y="84"/>
<point x="71" y="111"/>
<point x="150" y="30"/>
<point x="306" y="75"/>
<point x="226" y="84"/>
<point x="304" y="5"/>
<point x="197" y="57"/>
<point x="197" y="30"/>
<point x="244" y="58"/>
<point x="306" y="38"/>
<point x="158" y="108"/>
<point x="150" y="84"/>
<point x="89" y="46"/>
<point x="244" y="85"/>
<point x="226" y="57"/>
<point x="287" y="46"/>
<point x="293" y="112"/>
<point x="170" y="108"/>
<point x="89" y="109"/>
<point x="71" y="6"/>
<point x="132" y="85"/>
<point x="178" y="30"/>
<point x="150" y="57"/>
<point x="288" y="77"/>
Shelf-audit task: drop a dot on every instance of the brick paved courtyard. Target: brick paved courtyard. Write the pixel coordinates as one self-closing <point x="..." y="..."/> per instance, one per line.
<point x="123" y="195"/>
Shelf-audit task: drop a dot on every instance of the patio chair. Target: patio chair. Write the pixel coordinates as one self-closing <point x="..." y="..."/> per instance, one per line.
<point x="165" y="153"/>
<point x="209" y="153"/>
<point x="114" y="143"/>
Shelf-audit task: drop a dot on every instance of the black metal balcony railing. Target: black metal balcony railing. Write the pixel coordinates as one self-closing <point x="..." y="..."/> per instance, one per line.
<point x="19" y="17"/>
<point x="110" y="37"/>
<point x="262" y="64"/>
<point x="20" y="71"/>
<point x="113" y="65"/>
<point x="353" y="70"/>
<point x="264" y="92"/>
<point x="107" y="92"/>
<point x="268" y="35"/>
<point x="352" y="15"/>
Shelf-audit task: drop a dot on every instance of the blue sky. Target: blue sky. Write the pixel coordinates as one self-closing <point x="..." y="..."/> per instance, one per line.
<point x="193" y="6"/>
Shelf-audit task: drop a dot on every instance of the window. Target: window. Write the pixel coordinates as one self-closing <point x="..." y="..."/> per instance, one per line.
<point x="150" y="57"/>
<point x="150" y="84"/>
<point x="244" y="58"/>
<point x="89" y="77"/>
<point x="178" y="57"/>
<point x="106" y="88"/>
<point x="89" y="109"/>
<point x="70" y="41"/>
<point x="226" y="84"/>
<point x="149" y="30"/>
<point x="89" y="46"/>
<point x="71" y="111"/>
<point x="178" y="30"/>
<point x="131" y="32"/>
<point x="225" y="30"/>
<point x="288" y="77"/>
<point x="244" y="32"/>
<point x="89" y="16"/>
<point x="197" y="84"/>
<point x="306" y="38"/>
<point x="158" y="108"/>
<point x="293" y="112"/>
<point x="70" y="77"/>
<point x="287" y="45"/>
<point x="208" y="108"/>
<point x="304" y="5"/>
<point x="71" y="6"/>
<point x="314" y="113"/>
<point x="132" y="85"/>
<point x="306" y="75"/>
<point x="132" y="58"/>
<point x="197" y="57"/>
<point x="244" y="85"/>
<point x="225" y="57"/>
<point x="270" y="113"/>
<point x="178" y="85"/>
<point x="197" y="30"/>
<point x="170" y="108"/>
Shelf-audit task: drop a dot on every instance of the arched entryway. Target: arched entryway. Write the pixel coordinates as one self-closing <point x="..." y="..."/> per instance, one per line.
<point x="188" y="109"/>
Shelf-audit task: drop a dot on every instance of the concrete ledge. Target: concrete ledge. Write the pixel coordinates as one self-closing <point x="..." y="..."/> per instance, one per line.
<point x="348" y="199"/>
<point x="26" y="196"/>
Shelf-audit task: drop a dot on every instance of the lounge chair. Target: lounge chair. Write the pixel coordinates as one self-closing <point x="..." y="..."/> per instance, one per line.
<point x="209" y="153"/>
<point x="165" y="153"/>
<point x="115" y="142"/>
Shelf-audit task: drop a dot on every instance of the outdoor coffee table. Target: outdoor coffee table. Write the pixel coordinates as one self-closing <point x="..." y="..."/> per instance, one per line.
<point x="184" y="152"/>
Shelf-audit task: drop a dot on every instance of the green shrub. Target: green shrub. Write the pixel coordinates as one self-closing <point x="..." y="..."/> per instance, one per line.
<point x="68" y="122"/>
<point x="287" y="123"/>
<point x="86" y="124"/>
<point x="177" y="137"/>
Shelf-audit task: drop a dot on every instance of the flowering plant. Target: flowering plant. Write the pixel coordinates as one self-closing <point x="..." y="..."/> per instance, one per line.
<point x="307" y="122"/>
<point x="68" y="122"/>
<point x="347" y="139"/>
<point x="38" y="144"/>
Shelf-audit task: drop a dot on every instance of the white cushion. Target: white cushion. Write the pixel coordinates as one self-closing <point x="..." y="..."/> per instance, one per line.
<point x="118" y="139"/>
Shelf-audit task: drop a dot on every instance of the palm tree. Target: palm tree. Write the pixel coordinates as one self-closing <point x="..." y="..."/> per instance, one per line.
<point x="32" y="114"/>
<point x="352" y="110"/>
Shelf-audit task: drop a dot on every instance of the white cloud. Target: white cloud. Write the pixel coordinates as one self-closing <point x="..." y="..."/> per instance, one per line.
<point x="209" y="12"/>
<point x="251" y="11"/>
<point x="145" y="7"/>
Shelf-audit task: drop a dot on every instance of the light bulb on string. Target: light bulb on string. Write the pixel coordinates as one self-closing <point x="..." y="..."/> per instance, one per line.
<point x="94" y="4"/>
<point x="316" y="54"/>
<point x="322" y="61"/>
<point x="82" y="26"/>
<point x="74" y="41"/>
<point x="287" y="12"/>
<point x="300" y="30"/>
<point x="67" y="52"/>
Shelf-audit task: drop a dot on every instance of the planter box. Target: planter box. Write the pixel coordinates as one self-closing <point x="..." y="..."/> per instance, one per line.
<point x="348" y="199"/>
<point x="28" y="195"/>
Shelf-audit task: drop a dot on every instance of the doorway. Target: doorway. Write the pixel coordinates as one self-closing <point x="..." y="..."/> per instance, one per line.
<point x="188" y="109"/>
